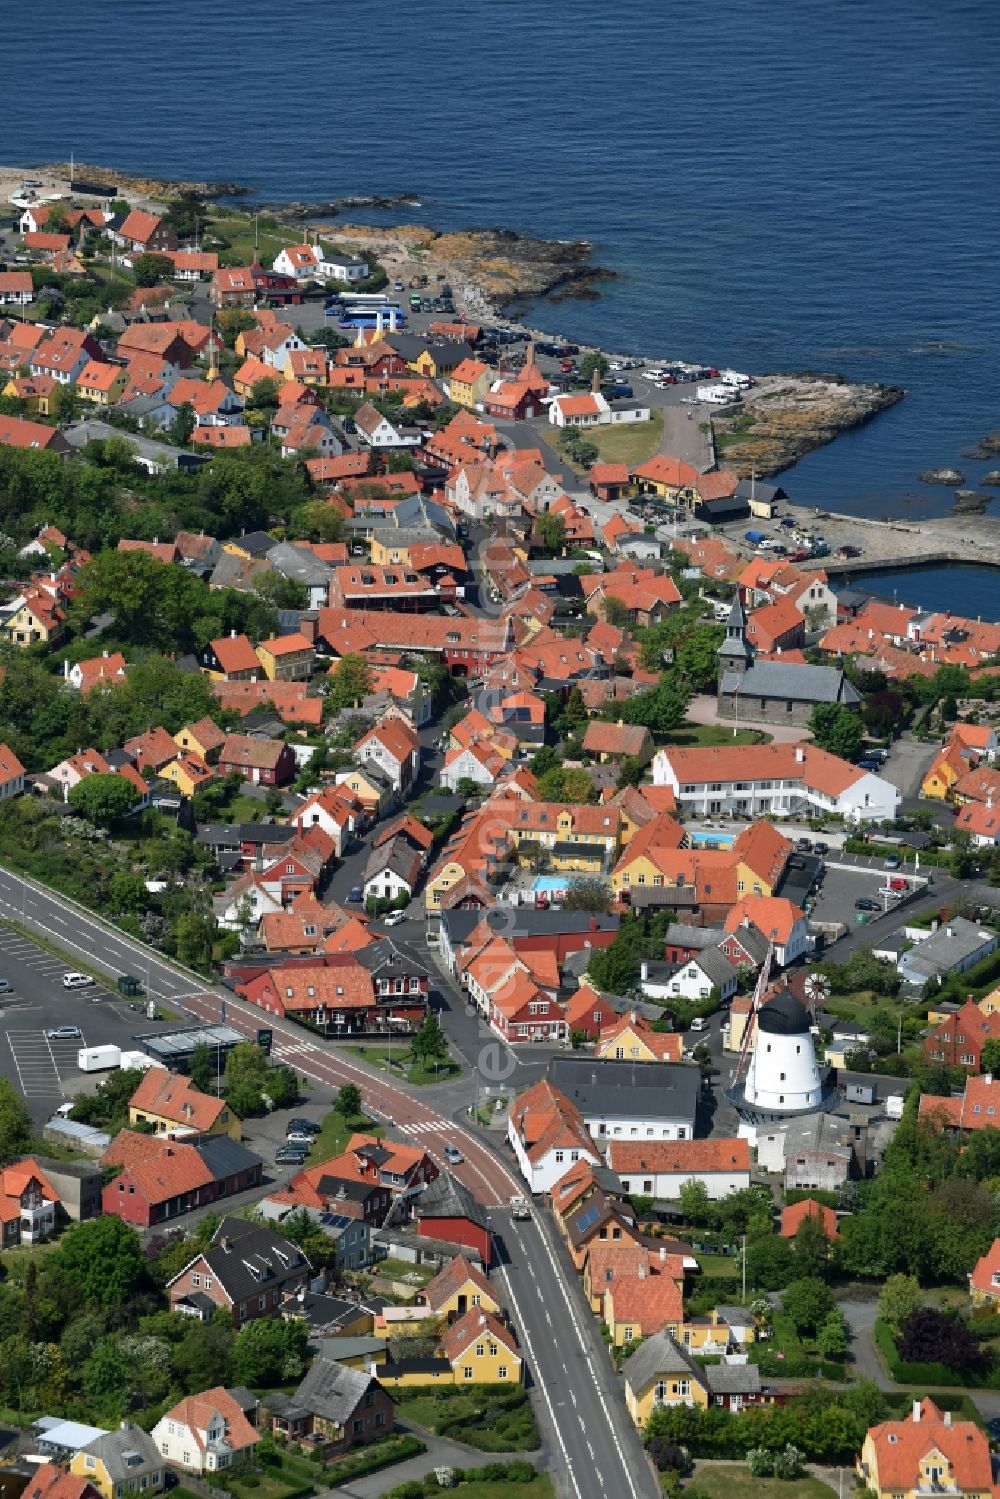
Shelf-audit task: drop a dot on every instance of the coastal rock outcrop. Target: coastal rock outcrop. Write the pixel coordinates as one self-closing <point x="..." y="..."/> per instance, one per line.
<point x="990" y="443"/>
<point x="971" y="500"/>
<point x="783" y="417"/>
<point x="992" y="478"/>
<point x="147" y="187"/>
<point x="950" y="477"/>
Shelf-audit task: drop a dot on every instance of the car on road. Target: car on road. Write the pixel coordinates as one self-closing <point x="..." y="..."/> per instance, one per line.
<point x="821" y="848"/>
<point x="453" y="1155"/>
<point x="355" y="895"/>
<point x="73" y="980"/>
<point x="394" y="918"/>
<point x="63" y="1033"/>
<point x="6" y="987"/>
<point x="891" y="861"/>
<point x="699" y="1023"/>
<point x="804" y="845"/>
<point x="303" y="1126"/>
<point x="519" y="1208"/>
<point x="865" y="903"/>
<point x="290" y="1155"/>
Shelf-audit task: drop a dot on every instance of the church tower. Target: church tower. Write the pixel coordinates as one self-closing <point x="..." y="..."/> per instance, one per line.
<point x="735" y="652"/>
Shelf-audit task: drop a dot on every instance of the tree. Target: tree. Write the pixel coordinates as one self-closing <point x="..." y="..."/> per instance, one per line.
<point x="264" y="395"/>
<point x="203" y="1067"/>
<point x="591" y="362"/>
<point x="807" y="1303"/>
<point x="15" y="1122"/>
<point x="150" y="269"/>
<point x="990" y="1057"/>
<point x="560" y="785"/>
<point x="900" y="1295"/>
<point x="186" y="213"/>
<point x="350" y="682"/>
<point x="348" y="1102"/>
<point x="269" y="1351"/>
<point x="430" y="1043"/>
<point x="100" y="1261"/>
<point x="831" y="1336"/>
<point x="695" y="1203"/>
<point x="551" y="531"/>
<point x="811" y="1249"/>
<point x="587" y="895"/>
<point x="614" y="610"/>
<point x="183" y="425"/>
<point x="836" y="729"/>
<point x="194" y="934"/>
<point x="103" y="799"/>
<point x="770" y="1263"/>
<point x="204" y="1356"/>
<point x="930" y="1336"/>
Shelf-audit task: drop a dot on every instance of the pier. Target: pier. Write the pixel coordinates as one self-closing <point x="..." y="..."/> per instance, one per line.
<point x="896" y="543"/>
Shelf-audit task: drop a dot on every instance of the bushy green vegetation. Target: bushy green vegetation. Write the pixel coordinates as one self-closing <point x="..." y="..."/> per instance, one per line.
<point x="494" y="1418"/>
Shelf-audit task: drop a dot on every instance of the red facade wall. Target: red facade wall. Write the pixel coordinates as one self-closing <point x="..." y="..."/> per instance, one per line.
<point x="459" y="1231"/>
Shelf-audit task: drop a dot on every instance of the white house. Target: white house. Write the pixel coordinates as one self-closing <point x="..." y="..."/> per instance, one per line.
<point x="623" y="1100"/>
<point x="241" y="908"/>
<point x="660" y="1169"/>
<point x="772" y="780"/>
<point x="696" y="979"/>
<point x="379" y="432"/>
<point x="593" y="410"/>
<point x="11" y="774"/>
<point x="205" y="1433"/>
<point x="16" y="288"/>
<point x="392" y="871"/>
<point x="393" y="749"/>
<point x="317" y="263"/>
<point x="472" y="762"/>
<point x="548" y="1136"/>
<point x="329" y="810"/>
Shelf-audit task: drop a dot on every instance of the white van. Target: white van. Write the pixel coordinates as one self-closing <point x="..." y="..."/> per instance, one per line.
<point x="733" y="377"/>
<point x="717" y="395"/>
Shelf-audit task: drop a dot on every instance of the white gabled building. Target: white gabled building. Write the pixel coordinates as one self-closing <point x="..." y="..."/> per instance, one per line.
<point x="317" y="263"/>
<point x="774" y="781"/>
<point x="205" y="1433"/>
<point x="548" y="1136"/>
<point x="660" y="1168"/>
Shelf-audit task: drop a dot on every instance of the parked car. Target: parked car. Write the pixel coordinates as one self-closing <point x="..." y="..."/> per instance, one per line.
<point x="394" y="918"/>
<point x="6" y="987"/>
<point x="63" y="1033"/>
<point x="453" y="1155"/>
<point x="290" y="1155"/>
<point x="891" y="861"/>
<point x="821" y="848"/>
<point x="299" y="1137"/>
<point x="74" y="980"/>
<point x="699" y="1023"/>
<point x="306" y="1126"/>
<point x="865" y="903"/>
<point x="898" y="884"/>
<point x="804" y="845"/>
<point x="355" y="896"/>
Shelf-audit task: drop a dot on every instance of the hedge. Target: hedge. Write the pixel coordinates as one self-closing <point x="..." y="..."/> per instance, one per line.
<point x="926" y="1374"/>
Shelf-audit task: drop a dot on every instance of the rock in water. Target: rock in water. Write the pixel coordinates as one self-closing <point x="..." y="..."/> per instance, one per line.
<point x="990" y="443"/>
<point x="970" y="499"/>
<point x="949" y="476"/>
<point x="992" y="478"/>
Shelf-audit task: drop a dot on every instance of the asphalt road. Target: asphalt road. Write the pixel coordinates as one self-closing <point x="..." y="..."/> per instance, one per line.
<point x="572" y="1374"/>
<point x="581" y="1414"/>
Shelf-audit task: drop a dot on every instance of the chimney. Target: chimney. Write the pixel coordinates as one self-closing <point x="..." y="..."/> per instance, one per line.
<point x="105" y="654"/>
<point x="232" y="634"/>
<point x="663" y="1254"/>
<point x="482" y="1319"/>
<point x="644" y="969"/>
<point x="595" y="381"/>
<point x="66" y="667"/>
<point x="987" y="1078"/>
<point x="800" y="755"/>
<point x="642" y="1272"/>
<point x="916" y="1410"/>
<point x="947" y="1418"/>
<point x="949" y="931"/>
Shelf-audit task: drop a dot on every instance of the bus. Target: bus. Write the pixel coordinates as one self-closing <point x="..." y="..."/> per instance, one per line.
<point x="364" y="298"/>
<point x="367" y="317"/>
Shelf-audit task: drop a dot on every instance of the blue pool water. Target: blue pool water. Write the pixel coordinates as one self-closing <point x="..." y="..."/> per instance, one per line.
<point x="711" y="840"/>
<point x="546" y="883"/>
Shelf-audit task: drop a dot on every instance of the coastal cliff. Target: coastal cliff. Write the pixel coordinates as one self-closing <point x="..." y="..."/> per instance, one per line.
<point x="786" y="416"/>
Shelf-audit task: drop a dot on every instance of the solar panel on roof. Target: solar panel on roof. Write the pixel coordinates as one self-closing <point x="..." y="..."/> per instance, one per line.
<point x="589" y="1218"/>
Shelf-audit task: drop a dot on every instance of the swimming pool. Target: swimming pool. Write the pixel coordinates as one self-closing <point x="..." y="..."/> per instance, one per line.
<point x="546" y="883"/>
<point x="712" y="840"/>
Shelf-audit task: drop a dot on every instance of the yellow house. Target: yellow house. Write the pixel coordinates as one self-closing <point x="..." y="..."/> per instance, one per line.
<point x="203" y="738"/>
<point x="389" y="553"/>
<point x="927" y="1453"/>
<point x="103" y="384"/>
<point x="287" y="658"/>
<point x="424" y="364"/>
<point x="168" y="1102"/>
<point x="469" y="383"/>
<point x="660" y="1372"/>
<point x="459" y="1287"/>
<point x="945" y="770"/>
<point x="35" y="393"/>
<point x="188" y="773"/>
<point x="572" y="833"/>
<point x="371" y="793"/>
<point x="638" y="1306"/>
<point x="482" y="1350"/>
<point x="36" y="620"/>
<point x="441" y="880"/>
<point x="633" y="1039"/>
<point x="121" y="1463"/>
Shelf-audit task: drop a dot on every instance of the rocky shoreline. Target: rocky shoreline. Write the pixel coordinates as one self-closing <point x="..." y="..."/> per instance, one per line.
<point x="784" y="417"/>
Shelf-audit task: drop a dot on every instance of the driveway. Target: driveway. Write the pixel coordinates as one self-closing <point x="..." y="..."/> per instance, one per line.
<point x="860" y="1317"/>
<point x="908" y="763"/>
<point x="440" y="1454"/>
<point x="705" y="710"/>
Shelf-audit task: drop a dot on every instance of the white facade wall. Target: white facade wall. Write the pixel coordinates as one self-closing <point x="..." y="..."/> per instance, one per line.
<point x="542" y="1175"/>
<point x="667" y="1184"/>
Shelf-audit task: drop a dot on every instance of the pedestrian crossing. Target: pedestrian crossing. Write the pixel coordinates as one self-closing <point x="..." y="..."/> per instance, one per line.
<point x="436" y="1127"/>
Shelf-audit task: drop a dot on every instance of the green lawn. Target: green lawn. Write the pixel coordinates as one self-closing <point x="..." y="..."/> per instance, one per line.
<point x="733" y="1481"/>
<point x="494" y="1418"/>
<point x="540" y="1487"/>
<point x="631" y="442"/>
<point x="400" y="1061"/>
<point x="784" y="1353"/>
<point x="277" y="1479"/>
<point x="704" y="734"/>
<point x="390" y="1269"/>
<point x="335" y="1133"/>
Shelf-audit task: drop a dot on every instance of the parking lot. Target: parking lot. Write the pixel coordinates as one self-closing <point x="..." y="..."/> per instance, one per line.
<point x="44" y="1070"/>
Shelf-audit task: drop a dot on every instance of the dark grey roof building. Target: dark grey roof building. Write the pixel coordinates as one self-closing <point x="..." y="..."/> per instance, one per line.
<point x="612" y="1096"/>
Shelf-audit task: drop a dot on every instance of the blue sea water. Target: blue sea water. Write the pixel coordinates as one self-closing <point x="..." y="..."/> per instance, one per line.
<point x="781" y="186"/>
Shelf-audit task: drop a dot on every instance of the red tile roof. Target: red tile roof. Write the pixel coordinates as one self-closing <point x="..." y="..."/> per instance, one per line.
<point x="793" y="1217"/>
<point x="171" y="1096"/>
<point x="678" y="1157"/>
